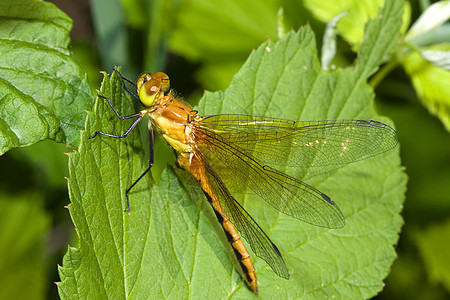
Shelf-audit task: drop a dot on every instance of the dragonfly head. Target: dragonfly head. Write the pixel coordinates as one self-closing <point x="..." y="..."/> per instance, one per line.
<point x="149" y="87"/>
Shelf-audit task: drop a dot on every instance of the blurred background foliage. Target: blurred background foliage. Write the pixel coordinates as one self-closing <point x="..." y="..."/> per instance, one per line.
<point x="201" y="44"/>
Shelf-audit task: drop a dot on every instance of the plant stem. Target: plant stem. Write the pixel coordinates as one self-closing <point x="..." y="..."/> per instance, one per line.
<point x="386" y="69"/>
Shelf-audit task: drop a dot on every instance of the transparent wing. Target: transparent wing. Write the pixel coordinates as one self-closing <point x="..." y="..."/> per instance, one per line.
<point x="238" y="170"/>
<point x="259" y="242"/>
<point x="313" y="147"/>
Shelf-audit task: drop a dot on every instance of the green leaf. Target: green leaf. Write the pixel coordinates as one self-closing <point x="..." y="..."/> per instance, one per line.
<point x="96" y="188"/>
<point x="351" y="26"/>
<point x="209" y="29"/>
<point x="281" y="26"/>
<point x="24" y="223"/>
<point x="134" y="13"/>
<point x="434" y="16"/>
<point x="438" y="58"/>
<point x="43" y="90"/>
<point x="49" y="160"/>
<point x="160" y="22"/>
<point x="112" y="34"/>
<point x="434" y="246"/>
<point x="171" y="246"/>
<point x="219" y="33"/>
<point x="329" y="42"/>
<point x="431" y="83"/>
<point x="436" y="35"/>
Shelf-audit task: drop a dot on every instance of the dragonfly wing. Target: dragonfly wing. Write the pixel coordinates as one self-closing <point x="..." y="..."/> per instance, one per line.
<point x="260" y="243"/>
<point x="240" y="171"/>
<point x="313" y="147"/>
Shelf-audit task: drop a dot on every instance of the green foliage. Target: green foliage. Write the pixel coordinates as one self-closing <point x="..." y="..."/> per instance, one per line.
<point x="111" y="32"/>
<point x="431" y="82"/>
<point x="43" y="90"/>
<point x="220" y="33"/>
<point x="351" y="28"/>
<point x="170" y="246"/>
<point x="23" y="222"/>
<point x="99" y="172"/>
<point x="428" y="64"/>
<point x="434" y="246"/>
<point x="428" y="70"/>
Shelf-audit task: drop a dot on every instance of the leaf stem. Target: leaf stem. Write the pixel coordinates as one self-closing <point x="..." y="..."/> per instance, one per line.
<point x="385" y="70"/>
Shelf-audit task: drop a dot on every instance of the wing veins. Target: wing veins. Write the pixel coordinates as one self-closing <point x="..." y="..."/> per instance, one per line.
<point x="285" y="193"/>
<point x="315" y="147"/>
<point x="247" y="227"/>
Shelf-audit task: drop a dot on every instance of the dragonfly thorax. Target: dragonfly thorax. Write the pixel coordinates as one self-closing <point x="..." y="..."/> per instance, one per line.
<point x="174" y="122"/>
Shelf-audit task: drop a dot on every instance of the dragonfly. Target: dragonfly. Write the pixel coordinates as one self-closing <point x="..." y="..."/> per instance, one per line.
<point x="232" y="153"/>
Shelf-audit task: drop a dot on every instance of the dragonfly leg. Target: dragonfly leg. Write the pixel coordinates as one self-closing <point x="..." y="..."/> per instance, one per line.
<point x="119" y="136"/>
<point x="124" y="85"/>
<point x="150" y="165"/>
<point x="115" y="111"/>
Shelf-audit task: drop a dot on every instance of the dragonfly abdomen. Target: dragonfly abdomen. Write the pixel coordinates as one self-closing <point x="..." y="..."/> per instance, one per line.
<point x="238" y="246"/>
<point x="192" y="163"/>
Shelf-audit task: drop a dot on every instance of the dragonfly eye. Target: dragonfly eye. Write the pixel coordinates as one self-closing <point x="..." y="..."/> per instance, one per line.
<point x="150" y="85"/>
<point x="149" y="91"/>
<point x="143" y="79"/>
<point x="164" y="79"/>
